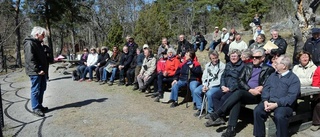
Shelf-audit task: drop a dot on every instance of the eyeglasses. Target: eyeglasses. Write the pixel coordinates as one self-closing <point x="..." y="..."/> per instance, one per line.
<point x="256" y="57"/>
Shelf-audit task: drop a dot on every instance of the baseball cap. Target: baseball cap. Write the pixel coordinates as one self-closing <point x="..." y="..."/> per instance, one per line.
<point x="145" y="46"/>
<point x="216" y="27"/>
<point x="223" y="29"/>
<point x="315" y="30"/>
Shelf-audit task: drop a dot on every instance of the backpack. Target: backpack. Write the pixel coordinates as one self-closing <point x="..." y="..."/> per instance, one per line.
<point x="75" y="75"/>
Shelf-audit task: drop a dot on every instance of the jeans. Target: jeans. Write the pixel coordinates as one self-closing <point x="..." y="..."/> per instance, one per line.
<point x="90" y="70"/>
<point x="113" y="74"/>
<point x="80" y="69"/>
<point x="175" y="89"/>
<point x="195" y="46"/>
<point x="199" y="94"/>
<point x="104" y="74"/>
<point x="192" y="86"/>
<point x="38" y="86"/>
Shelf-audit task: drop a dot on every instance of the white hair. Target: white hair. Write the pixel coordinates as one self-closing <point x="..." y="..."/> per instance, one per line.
<point x="172" y="50"/>
<point x="37" y="31"/>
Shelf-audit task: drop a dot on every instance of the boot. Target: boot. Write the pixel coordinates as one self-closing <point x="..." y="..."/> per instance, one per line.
<point x="231" y="132"/>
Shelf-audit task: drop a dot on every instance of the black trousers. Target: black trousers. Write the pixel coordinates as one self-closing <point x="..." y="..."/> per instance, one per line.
<point x="281" y="119"/>
<point x="233" y="103"/>
<point x="130" y="75"/>
<point x="99" y="72"/>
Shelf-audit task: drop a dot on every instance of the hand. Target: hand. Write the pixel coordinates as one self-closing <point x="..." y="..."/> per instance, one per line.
<point x="225" y="89"/>
<point x="191" y="66"/>
<point x="41" y="72"/>
<point x="174" y="82"/>
<point x="271" y="106"/>
<point x="165" y="73"/>
<point x="139" y="76"/>
<point x="205" y="89"/>
<point x="146" y="78"/>
<point x="85" y="63"/>
<point x="98" y="64"/>
<point x="265" y="103"/>
<point x="254" y="92"/>
<point x="259" y="88"/>
<point x="268" y="51"/>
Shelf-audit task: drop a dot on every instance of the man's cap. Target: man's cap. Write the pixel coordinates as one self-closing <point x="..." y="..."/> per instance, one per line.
<point x="315" y="30"/>
<point x="216" y="27"/>
<point x="224" y="29"/>
<point x="145" y="46"/>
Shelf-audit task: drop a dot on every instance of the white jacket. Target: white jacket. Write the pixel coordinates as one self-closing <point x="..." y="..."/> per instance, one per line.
<point x="92" y="59"/>
<point x="238" y="45"/>
<point x="305" y="74"/>
<point x="212" y="74"/>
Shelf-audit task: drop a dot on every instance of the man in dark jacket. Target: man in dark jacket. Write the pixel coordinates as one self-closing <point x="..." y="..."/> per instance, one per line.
<point x="280" y="42"/>
<point x="251" y="82"/>
<point x="183" y="46"/>
<point x="36" y="67"/>
<point x="279" y="95"/>
<point x="132" y="46"/>
<point x="124" y="65"/>
<point x="312" y="46"/>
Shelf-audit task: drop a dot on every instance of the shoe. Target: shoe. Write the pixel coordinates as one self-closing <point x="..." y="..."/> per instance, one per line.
<point x="217" y="122"/>
<point x="231" y="132"/>
<point x="97" y="80"/>
<point x="38" y="112"/>
<point x="110" y="83"/>
<point x="157" y="99"/>
<point x="197" y="113"/>
<point x="135" y="87"/>
<point x="171" y="101"/>
<point x="156" y="94"/>
<point x="80" y="80"/>
<point x="121" y="84"/>
<point x="89" y="80"/>
<point x="314" y="128"/>
<point x="103" y="82"/>
<point x="207" y="116"/>
<point x="44" y="109"/>
<point x="174" y="104"/>
<point x="128" y="84"/>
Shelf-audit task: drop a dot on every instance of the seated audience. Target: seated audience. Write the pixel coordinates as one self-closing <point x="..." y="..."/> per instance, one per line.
<point x="83" y="59"/>
<point x="316" y="110"/>
<point x="188" y="72"/>
<point x="259" y="43"/>
<point x="210" y="82"/>
<point x="256" y="33"/>
<point x="225" y="49"/>
<point x="90" y="65"/>
<point x="111" y="67"/>
<point x="167" y="75"/>
<point x="164" y="46"/>
<point x="132" y="46"/>
<point x="102" y="60"/>
<point x="131" y="75"/>
<point x="139" y="60"/>
<point x="216" y="38"/>
<point x="200" y="42"/>
<point x="147" y="70"/>
<point x="124" y="64"/>
<point x="251" y="83"/>
<point x="279" y="95"/>
<point x="183" y="46"/>
<point x="161" y="65"/>
<point x="305" y="69"/>
<point x="224" y="38"/>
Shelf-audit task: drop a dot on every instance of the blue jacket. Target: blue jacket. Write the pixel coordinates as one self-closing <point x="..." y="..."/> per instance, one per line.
<point x="283" y="91"/>
<point x="182" y="73"/>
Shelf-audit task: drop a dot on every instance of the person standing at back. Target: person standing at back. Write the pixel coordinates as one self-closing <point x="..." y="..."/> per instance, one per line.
<point x="36" y="67"/>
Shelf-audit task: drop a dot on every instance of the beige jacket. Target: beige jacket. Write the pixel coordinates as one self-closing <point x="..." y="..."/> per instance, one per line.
<point x="305" y="74"/>
<point x="148" y="66"/>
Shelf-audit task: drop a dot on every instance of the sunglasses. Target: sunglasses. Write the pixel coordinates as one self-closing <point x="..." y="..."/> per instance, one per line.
<point x="256" y="57"/>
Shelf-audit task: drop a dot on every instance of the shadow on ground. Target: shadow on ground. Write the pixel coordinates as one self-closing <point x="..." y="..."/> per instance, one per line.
<point x="78" y="104"/>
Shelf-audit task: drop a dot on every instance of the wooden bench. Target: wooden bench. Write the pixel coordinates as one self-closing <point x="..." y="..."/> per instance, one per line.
<point x="301" y="118"/>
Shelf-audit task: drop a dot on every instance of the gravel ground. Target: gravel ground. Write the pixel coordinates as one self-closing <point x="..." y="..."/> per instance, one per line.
<point x="89" y="109"/>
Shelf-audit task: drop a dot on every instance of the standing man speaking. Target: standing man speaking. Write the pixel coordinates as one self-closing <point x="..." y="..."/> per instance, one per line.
<point x="36" y="67"/>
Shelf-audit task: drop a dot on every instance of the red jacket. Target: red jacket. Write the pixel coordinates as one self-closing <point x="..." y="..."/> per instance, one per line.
<point x="161" y="65"/>
<point x="172" y="65"/>
<point x="316" y="78"/>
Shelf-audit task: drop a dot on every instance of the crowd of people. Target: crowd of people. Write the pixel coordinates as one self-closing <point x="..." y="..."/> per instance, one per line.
<point x="250" y="74"/>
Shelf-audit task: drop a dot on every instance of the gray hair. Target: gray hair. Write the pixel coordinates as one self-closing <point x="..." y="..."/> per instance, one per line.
<point x="235" y="51"/>
<point x="285" y="60"/>
<point x="247" y="53"/>
<point x="172" y="50"/>
<point x="37" y="31"/>
<point x="263" y="54"/>
<point x="213" y="52"/>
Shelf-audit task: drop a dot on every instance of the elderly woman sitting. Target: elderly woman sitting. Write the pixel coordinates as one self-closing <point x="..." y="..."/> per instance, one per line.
<point x="147" y="70"/>
<point x="305" y="69"/>
<point x="90" y="65"/>
<point x="246" y="56"/>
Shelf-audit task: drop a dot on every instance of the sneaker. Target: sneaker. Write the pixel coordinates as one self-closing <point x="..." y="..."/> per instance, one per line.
<point x="135" y="87"/>
<point x="314" y="128"/>
<point x="217" y="122"/>
<point x="194" y="106"/>
<point x="38" y="112"/>
<point x="197" y="113"/>
<point x="103" y="82"/>
<point x="156" y="94"/>
<point x="207" y="116"/>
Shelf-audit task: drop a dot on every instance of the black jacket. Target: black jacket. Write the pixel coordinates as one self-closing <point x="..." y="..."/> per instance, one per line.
<point x="231" y="75"/>
<point x="35" y="58"/>
<point x="247" y="72"/>
<point x="183" y="47"/>
<point x="313" y="47"/>
<point x="282" y="46"/>
<point x="132" y="47"/>
<point x="102" y="59"/>
<point x="126" y="59"/>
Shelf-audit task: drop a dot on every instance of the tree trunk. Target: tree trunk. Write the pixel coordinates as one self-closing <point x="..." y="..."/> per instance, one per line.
<point x="48" y="26"/>
<point x="72" y="41"/>
<point x="61" y="41"/>
<point x="18" y="35"/>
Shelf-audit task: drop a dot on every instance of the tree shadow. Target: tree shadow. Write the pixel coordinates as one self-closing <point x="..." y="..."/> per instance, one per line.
<point x="78" y="104"/>
<point x="65" y="77"/>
